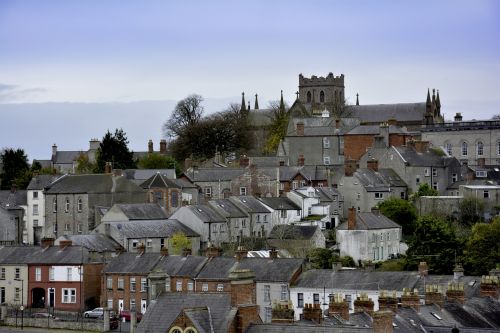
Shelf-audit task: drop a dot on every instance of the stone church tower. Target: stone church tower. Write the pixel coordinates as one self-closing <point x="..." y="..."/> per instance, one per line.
<point x="318" y="93"/>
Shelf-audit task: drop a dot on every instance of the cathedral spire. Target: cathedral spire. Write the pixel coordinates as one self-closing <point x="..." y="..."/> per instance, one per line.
<point x="438" y="102"/>
<point x="243" y="104"/>
<point x="282" y="103"/>
<point x="357" y="99"/>
<point x="433" y="103"/>
<point x="256" y="106"/>
<point x="248" y="105"/>
<point x="428" y="102"/>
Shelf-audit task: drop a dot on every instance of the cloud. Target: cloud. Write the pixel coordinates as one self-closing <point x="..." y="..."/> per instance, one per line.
<point x="10" y="93"/>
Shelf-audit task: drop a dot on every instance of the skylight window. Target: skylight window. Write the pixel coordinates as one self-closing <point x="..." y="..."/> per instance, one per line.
<point x="436" y="315"/>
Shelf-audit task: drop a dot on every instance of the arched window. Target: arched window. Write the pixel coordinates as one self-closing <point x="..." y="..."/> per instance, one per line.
<point x="66" y="206"/>
<point x="308" y="97"/>
<point x="448" y="148"/>
<point x="174" y="199"/>
<point x="322" y="96"/>
<point x="79" y="205"/>
<point x="464" y="149"/>
<point x="479" y="149"/>
<point x="175" y="329"/>
<point x="54" y="205"/>
<point x="336" y="97"/>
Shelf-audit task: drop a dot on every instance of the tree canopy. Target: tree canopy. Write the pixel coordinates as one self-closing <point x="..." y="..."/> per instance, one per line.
<point x="279" y="123"/>
<point x="400" y="211"/>
<point x="158" y="161"/>
<point x="180" y="242"/>
<point x="114" y="148"/>
<point x="15" y="169"/>
<point x="471" y="210"/>
<point x="483" y="248"/>
<point x="187" y="112"/>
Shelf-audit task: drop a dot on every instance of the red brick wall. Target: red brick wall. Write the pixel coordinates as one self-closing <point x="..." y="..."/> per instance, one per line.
<point x="355" y="145"/>
<point x="92" y="284"/>
<point x="212" y="285"/>
<point x="125" y="294"/>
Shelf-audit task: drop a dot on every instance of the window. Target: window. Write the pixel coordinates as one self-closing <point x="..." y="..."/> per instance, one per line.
<point x="308" y="97"/>
<point x="295" y="184"/>
<point x="435" y="186"/>
<point x="417" y="180"/>
<point x="67" y="227"/>
<point x="302" y="183"/>
<point x="51" y="273"/>
<point x="316" y="298"/>
<point x="204" y="287"/>
<point x="283" y="213"/>
<point x="265" y="218"/>
<point x="132" y="284"/>
<point x="135" y="242"/>
<point x="54" y="205"/>
<point x="243" y="223"/>
<point x="2" y="295"/>
<point x="358" y="196"/>
<point x="481" y="173"/>
<point x="68" y="295"/>
<point x="267" y="293"/>
<point x="190" y="286"/>
<point x="426" y="172"/>
<point x="282" y="186"/>
<point x="498" y="148"/>
<point x="486" y="194"/>
<point x="258" y="218"/>
<point x="220" y="287"/>
<point x="79" y="205"/>
<point x="243" y="190"/>
<point x="2" y="273"/>
<point x="464" y="149"/>
<point x="144" y="284"/>
<point x="149" y="243"/>
<point x="322" y="96"/>
<point x="448" y="148"/>
<point x="132" y="304"/>
<point x="66" y="205"/>
<point x="35" y="209"/>
<point x="300" y="300"/>
<point x="109" y="283"/>
<point x="298" y="212"/>
<point x="35" y="194"/>
<point x="17" y="294"/>
<point x="434" y="172"/>
<point x="38" y="274"/>
<point x="454" y="177"/>
<point x="402" y="195"/>
<point x="121" y="283"/>
<point x="17" y="275"/>
<point x="178" y="286"/>
<point x="35" y="223"/>
<point x="79" y="227"/>
<point x="158" y="197"/>
<point x="208" y="191"/>
<point x="326" y="160"/>
<point x="284" y="292"/>
<point x="480" y="149"/>
<point x="379" y="195"/>
<point x="174" y="199"/>
<point x="69" y="273"/>
<point x="320" y="184"/>
<point x="167" y="285"/>
<point x="110" y="303"/>
<point x="326" y="142"/>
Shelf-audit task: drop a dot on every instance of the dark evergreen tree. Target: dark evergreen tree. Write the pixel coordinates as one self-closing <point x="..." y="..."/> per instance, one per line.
<point x="15" y="169"/>
<point x="114" y="148"/>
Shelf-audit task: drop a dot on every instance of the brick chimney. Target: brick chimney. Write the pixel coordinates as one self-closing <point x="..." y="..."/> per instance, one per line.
<point x="243" y="289"/>
<point x="337" y="123"/>
<point x="186" y="252"/>
<point x="458" y="117"/>
<point x="240" y="253"/>
<point x="244" y="161"/>
<point x="372" y="164"/>
<point x="458" y="272"/>
<point x="150" y="146"/>
<point x="301" y="160"/>
<point x="338" y="306"/>
<point x="273" y="253"/>
<point x="382" y="321"/>
<point x="282" y="313"/>
<point x="350" y="166"/>
<point x="351" y="219"/>
<point x="455" y="292"/>
<point x="117" y="172"/>
<point x="64" y="243"/>
<point x="108" y="168"/>
<point x="312" y="312"/>
<point x="423" y="269"/>
<point x="46" y="242"/>
<point x="490" y="286"/>
<point x="387" y="301"/>
<point x="392" y="121"/>
<point x="421" y="146"/>
<point x="164" y="251"/>
<point x="410" y="299"/>
<point x="54" y="150"/>
<point x="246" y="315"/>
<point x="363" y="304"/>
<point x="434" y="295"/>
<point x="300" y="129"/>
<point x="163" y="146"/>
<point x="141" y="248"/>
<point x="212" y="251"/>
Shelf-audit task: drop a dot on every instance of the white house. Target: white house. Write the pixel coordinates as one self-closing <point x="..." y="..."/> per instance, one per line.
<point x="309" y="200"/>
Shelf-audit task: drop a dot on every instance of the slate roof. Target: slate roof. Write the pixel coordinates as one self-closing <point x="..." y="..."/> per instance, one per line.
<point x="429" y="158"/>
<point x="227" y="208"/>
<point x="213" y="174"/>
<point x="321" y="126"/>
<point x="158" y="181"/>
<point x="206" y="213"/>
<point x="288" y="231"/>
<point x="185" y="266"/>
<point x="217" y="268"/>
<point x="268" y="161"/>
<point x="92" y="242"/>
<point x="16" y="254"/>
<point x="203" y="308"/>
<point x="304" y="328"/>
<point x="94" y="183"/>
<point x="328" y="194"/>
<point x="66" y="157"/>
<point x="356" y="279"/>
<point x="471" y="283"/>
<point x="249" y="204"/>
<point x="152" y="228"/>
<point x="138" y="176"/>
<point x="57" y="256"/>
<point x="280" y="203"/>
<point x="377" y="113"/>
<point x="41" y="181"/>
<point x="381" y="180"/>
<point x="272" y="270"/>
<point x="143" y="211"/>
<point x="369" y="221"/>
<point x="9" y="199"/>
<point x="375" y="130"/>
<point x="132" y="263"/>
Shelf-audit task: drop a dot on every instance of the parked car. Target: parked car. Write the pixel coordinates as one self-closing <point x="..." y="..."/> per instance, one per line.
<point x="126" y="314"/>
<point x="96" y="313"/>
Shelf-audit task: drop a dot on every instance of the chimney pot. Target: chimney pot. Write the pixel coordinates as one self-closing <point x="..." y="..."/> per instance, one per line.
<point x="382" y="322"/>
<point x="150" y="146"/>
<point x="141" y="248"/>
<point x="273" y="253"/>
<point x="351" y="219"/>
<point x="163" y="146"/>
<point x="108" y="167"/>
<point x="372" y="164"/>
<point x="300" y="129"/>
<point x="46" y="242"/>
<point x="65" y="243"/>
<point x="164" y="251"/>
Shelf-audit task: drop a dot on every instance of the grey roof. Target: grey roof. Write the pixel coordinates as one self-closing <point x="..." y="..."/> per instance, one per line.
<point x="249" y="204"/>
<point x="268" y="161"/>
<point x="17" y="254"/>
<point x="289" y="231"/>
<point x="158" y="181"/>
<point x="357" y="280"/>
<point x="328" y="194"/>
<point x="140" y="175"/>
<point x="132" y="263"/>
<point x="9" y="199"/>
<point x="471" y="283"/>
<point x="280" y="203"/>
<point x="55" y="255"/>
<point x="182" y="183"/>
<point x="217" y="268"/>
<point x="381" y="180"/>
<point x="44" y="163"/>
<point x="213" y="174"/>
<point x="227" y="208"/>
<point x="300" y="327"/>
<point x="143" y="211"/>
<point x="66" y="157"/>
<point x="377" y="113"/>
<point x="41" y="181"/>
<point x="428" y="158"/>
<point x="186" y="266"/>
<point x="92" y="242"/>
<point x="375" y="130"/>
<point x="213" y="309"/>
<point x="369" y="221"/>
<point x="152" y="228"/>
<point x="206" y="213"/>
<point x="95" y="183"/>
<point x="272" y="270"/>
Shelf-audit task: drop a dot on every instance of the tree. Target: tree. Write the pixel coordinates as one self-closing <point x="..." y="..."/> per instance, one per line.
<point x="114" y="148"/>
<point x="424" y="190"/>
<point x="435" y="242"/>
<point x="15" y="169"/>
<point x="83" y="164"/>
<point x="187" y="112"/>
<point x="279" y="123"/>
<point x="400" y="211"/>
<point x="158" y="161"/>
<point x="340" y="108"/>
<point x="321" y="258"/>
<point x="180" y="242"/>
<point x="471" y="210"/>
<point x="483" y="248"/>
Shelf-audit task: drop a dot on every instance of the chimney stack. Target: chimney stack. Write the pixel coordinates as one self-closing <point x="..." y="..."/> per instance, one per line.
<point x="212" y="251"/>
<point x="392" y="121"/>
<point x="108" y="168"/>
<point x="372" y="164"/>
<point x="382" y="321"/>
<point x="312" y="312"/>
<point x="244" y="161"/>
<point x="481" y="162"/>
<point x="163" y="147"/>
<point x="273" y="253"/>
<point x="338" y="306"/>
<point x="300" y="129"/>
<point x="458" y="117"/>
<point x="54" y="150"/>
<point x="490" y="286"/>
<point x="410" y="299"/>
<point x="150" y="146"/>
<point x="388" y="302"/>
<point x="188" y="163"/>
<point x="64" y="243"/>
<point x="455" y="292"/>
<point x="141" y="248"/>
<point x="337" y="123"/>
<point x="240" y="253"/>
<point x="350" y="166"/>
<point x="282" y="313"/>
<point x="47" y="242"/>
<point x="186" y="252"/>
<point x="164" y="251"/>
<point x="301" y="160"/>
<point x="421" y="146"/>
<point x="243" y="290"/>
<point x="423" y="269"/>
<point x="351" y="219"/>
<point x="434" y="295"/>
<point x="363" y="304"/>
<point x="336" y="266"/>
<point x="458" y="272"/>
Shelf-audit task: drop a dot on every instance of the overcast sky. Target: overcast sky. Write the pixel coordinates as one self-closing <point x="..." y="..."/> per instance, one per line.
<point x="69" y="70"/>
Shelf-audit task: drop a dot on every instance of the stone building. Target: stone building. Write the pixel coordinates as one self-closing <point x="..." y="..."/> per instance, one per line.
<point x="321" y="92"/>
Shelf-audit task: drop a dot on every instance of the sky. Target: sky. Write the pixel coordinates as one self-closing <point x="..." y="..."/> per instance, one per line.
<point x="70" y="70"/>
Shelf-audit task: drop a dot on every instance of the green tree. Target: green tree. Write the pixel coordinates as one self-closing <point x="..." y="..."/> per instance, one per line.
<point x="83" y="164"/>
<point x="158" y="161"/>
<point x="180" y="242"/>
<point x="471" y="210"/>
<point x="483" y="248"/>
<point x="424" y="190"/>
<point x="400" y="211"/>
<point x="435" y="242"/>
<point x="279" y="123"/>
<point x="320" y="258"/>
<point x="15" y="169"/>
<point x="114" y="148"/>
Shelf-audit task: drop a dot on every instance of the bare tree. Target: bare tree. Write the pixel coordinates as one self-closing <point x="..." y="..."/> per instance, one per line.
<point x="187" y="112"/>
<point x="340" y="108"/>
